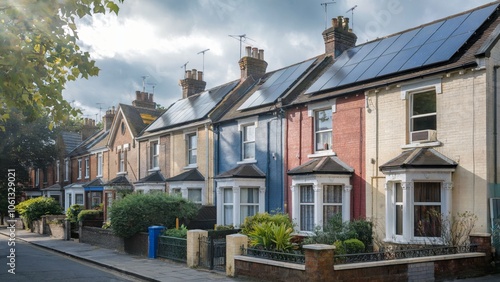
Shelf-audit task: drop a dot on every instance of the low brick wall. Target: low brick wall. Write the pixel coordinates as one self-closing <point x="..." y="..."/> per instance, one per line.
<point x="101" y="237"/>
<point x="137" y="244"/>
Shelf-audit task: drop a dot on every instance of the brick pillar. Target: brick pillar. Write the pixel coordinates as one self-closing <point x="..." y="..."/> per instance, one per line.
<point x="233" y="248"/>
<point x="319" y="262"/>
<point x="483" y="242"/>
<point x="193" y="246"/>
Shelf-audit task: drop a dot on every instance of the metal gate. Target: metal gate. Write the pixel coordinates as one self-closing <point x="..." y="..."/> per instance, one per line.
<point x="212" y="253"/>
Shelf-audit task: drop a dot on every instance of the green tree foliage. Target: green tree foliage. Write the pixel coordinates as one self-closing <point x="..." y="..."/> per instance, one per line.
<point x="278" y="218"/>
<point x="136" y="212"/>
<point x="34" y="208"/>
<point x="39" y="53"/>
<point x="24" y="144"/>
<point x="90" y="215"/>
<point x="72" y="212"/>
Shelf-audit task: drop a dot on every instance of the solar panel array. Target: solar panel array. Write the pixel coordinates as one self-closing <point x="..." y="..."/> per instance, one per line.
<point x="426" y="45"/>
<point x="192" y="108"/>
<point x="276" y="85"/>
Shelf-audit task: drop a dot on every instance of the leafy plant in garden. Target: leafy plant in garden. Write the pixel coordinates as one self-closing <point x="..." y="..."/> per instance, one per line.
<point x="177" y="233"/>
<point x="455" y="230"/>
<point x="72" y="213"/>
<point x="136" y="212"/>
<point x="271" y="236"/>
<point x="277" y="218"/>
<point x="33" y="209"/>
<point x="89" y="215"/>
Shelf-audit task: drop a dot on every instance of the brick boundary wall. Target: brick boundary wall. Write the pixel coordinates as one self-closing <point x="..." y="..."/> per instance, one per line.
<point x="102" y="238"/>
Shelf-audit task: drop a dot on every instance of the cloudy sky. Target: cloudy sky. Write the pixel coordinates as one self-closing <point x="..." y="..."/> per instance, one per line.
<point x="155" y="38"/>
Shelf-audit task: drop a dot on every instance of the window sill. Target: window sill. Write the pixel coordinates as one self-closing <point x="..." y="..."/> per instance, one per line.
<point x="154" y="169"/>
<point x="320" y="154"/>
<point x="121" y="173"/>
<point x="422" y="145"/>
<point x="248" y="161"/>
<point x="191" y="166"/>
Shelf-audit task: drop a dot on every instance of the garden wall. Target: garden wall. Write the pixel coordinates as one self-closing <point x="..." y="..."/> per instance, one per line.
<point x="105" y="238"/>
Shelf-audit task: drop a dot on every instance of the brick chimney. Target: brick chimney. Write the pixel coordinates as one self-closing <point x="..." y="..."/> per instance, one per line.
<point x="339" y="37"/>
<point x="88" y="128"/>
<point x="253" y="63"/>
<point x="107" y="120"/>
<point x="144" y="100"/>
<point x="192" y="83"/>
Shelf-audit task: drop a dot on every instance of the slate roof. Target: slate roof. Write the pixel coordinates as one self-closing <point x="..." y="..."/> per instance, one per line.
<point x="154" y="177"/>
<point x="85" y="145"/>
<point x="324" y="165"/>
<point x="193" y="108"/>
<point x="189" y="175"/>
<point x="118" y="181"/>
<point x="243" y="171"/>
<point x="94" y="183"/>
<point x="54" y="187"/>
<point x="71" y="140"/>
<point x="475" y="46"/>
<point x="423" y="158"/>
<point x="133" y="116"/>
<point x="76" y="185"/>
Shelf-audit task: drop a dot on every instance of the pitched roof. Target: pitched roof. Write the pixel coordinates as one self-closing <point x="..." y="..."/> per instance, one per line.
<point x="118" y="181"/>
<point x="423" y="158"/>
<point x="94" y="183"/>
<point x="443" y="45"/>
<point x="85" y="145"/>
<point x="138" y="118"/>
<point x="189" y="175"/>
<point x="243" y="171"/>
<point x="154" y="177"/>
<point x="70" y="140"/>
<point x="324" y="165"/>
<point x="193" y="108"/>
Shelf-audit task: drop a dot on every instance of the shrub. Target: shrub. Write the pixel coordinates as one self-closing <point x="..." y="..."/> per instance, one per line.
<point x="136" y="212"/>
<point x="90" y="215"/>
<point x="177" y="233"/>
<point x="278" y="218"/>
<point x="72" y="213"/>
<point x="33" y="209"/>
<point x="354" y="246"/>
<point x="271" y="236"/>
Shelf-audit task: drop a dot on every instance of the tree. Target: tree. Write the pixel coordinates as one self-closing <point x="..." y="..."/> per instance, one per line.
<point x="39" y="54"/>
<point x="24" y="144"/>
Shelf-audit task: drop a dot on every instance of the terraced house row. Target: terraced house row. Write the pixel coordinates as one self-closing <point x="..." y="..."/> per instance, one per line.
<point x="385" y="130"/>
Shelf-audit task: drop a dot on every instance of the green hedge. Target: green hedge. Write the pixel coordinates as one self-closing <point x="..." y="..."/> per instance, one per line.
<point x="90" y="215"/>
<point x="136" y="212"/>
<point x="72" y="212"/>
<point x="33" y="209"/>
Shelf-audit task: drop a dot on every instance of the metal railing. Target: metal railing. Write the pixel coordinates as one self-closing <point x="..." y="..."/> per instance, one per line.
<point x="292" y="256"/>
<point x="403" y="254"/>
<point x="172" y="248"/>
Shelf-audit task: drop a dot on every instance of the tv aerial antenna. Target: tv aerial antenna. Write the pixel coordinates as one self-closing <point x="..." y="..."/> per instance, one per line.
<point x="352" y="15"/>
<point x="203" y="52"/>
<point x="184" y="66"/>
<point x="242" y="38"/>
<point x="100" y="108"/>
<point x="326" y="11"/>
<point x="144" y="82"/>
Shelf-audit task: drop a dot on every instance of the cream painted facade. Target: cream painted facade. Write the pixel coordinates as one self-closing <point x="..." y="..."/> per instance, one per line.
<point x="464" y="135"/>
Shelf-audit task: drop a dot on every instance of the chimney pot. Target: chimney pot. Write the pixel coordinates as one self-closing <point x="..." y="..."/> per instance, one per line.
<point x="255" y="53"/>
<point x="249" y="51"/>
<point x="193" y="73"/>
<point x="151" y="97"/>
<point x="261" y="54"/>
<point x="188" y="74"/>
<point x="335" y="22"/>
<point x="200" y="75"/>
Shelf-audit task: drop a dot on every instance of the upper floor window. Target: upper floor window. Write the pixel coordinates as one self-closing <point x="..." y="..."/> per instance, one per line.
<point x="100" y="164"/>
<point x="79" y="169"/>
<point x="58" y="170"/>
<point x="66" y="170"/>
<point x="248" y="141"/>
<point x="323" y="129"/>
<point x="87" y="168"/>
<point x="37" y="177"/>
<point x="121" y="161"/>
<point x="423" y="111"/>
<point x="154" y="153"/>
<point x="192" y="144"/>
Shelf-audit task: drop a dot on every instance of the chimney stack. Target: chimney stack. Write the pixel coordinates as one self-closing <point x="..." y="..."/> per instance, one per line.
<point x="88" y="128"/>
<point x="108" y="118"/>
<point x="253" y="63"/>
<point x="144" y="100"/>
<point x="339" y="37"/>
<point x="192" y="83"/>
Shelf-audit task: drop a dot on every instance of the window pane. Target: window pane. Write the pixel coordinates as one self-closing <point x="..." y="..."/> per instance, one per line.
<point x="228" y="196"/>
<point x="323" y="141"/>
<point x="427" y="192"/>
<point x="332" y="194"/>
<point x="399" y="192"/>
<point x="330" y="211"/>
<point x="194" y="195"/>
<point x="228" y="215"/>
<point x="424" y="123"/>
<point x="249" y="151"/>
<point x="249" y="133"/>
<point x="424" y="103"/>
<point x="79" y="199"/>
<point x="307" y="217"/>
<point x="399" y="219"/>
<point x="323" y="120"/>
<point x="247" y="210"/>
<point x="249" y="195"/>
<point x="306" y="194"/>
<point x="427" y="222"/>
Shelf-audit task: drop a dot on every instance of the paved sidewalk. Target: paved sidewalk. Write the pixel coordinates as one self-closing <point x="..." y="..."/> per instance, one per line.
<point x="140" y="267"/>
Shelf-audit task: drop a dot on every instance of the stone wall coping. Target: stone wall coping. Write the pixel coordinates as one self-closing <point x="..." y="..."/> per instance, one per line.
<point x="237" y="235"/>
<point x="406" y="261"/>
<point x="480" y="234"/>
<point x="272" y="262"/>
<point x="319" y="247"/>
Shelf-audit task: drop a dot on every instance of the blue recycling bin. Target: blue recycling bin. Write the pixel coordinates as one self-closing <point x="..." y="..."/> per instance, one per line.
<point x="154" y="235"/>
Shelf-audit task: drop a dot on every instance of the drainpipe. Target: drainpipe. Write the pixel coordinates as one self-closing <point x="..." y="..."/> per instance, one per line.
<point x="495" y="141"/>
<point x="268" y="160"/>
<point x="207" y="160"/>
<point x="216" y="159"/>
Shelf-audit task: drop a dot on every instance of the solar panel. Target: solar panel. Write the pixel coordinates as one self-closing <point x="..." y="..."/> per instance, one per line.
<point x="433" y="43"/>
<point x="276" y="85"/>
<point x="192" y="108"/>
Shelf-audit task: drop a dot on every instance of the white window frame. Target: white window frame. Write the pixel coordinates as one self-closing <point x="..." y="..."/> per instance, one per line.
<point x="245" y="205"/>
<point x="311" y="110"/>
<point x="192" y="189"/>
<point x="66" y="170"/>
<point x="100" y="164"/>
<point x="245" y="141"/>
<point x="79" y="164"/>
<point x="334" y="203"/>
<point x="190" y="149"/>
<point x="236" y="184"/>
<point x="154" y="155"/>
<point x="184" y="186"/>
<point x="82" y="199"/>
<point x="58" y="170"/>
<point x="242" y="123"/>
<point x="122" y="156"/>
<point x="87" y="168"/>
<point x="318" y="183"/>
<point x="407" y="180"/>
